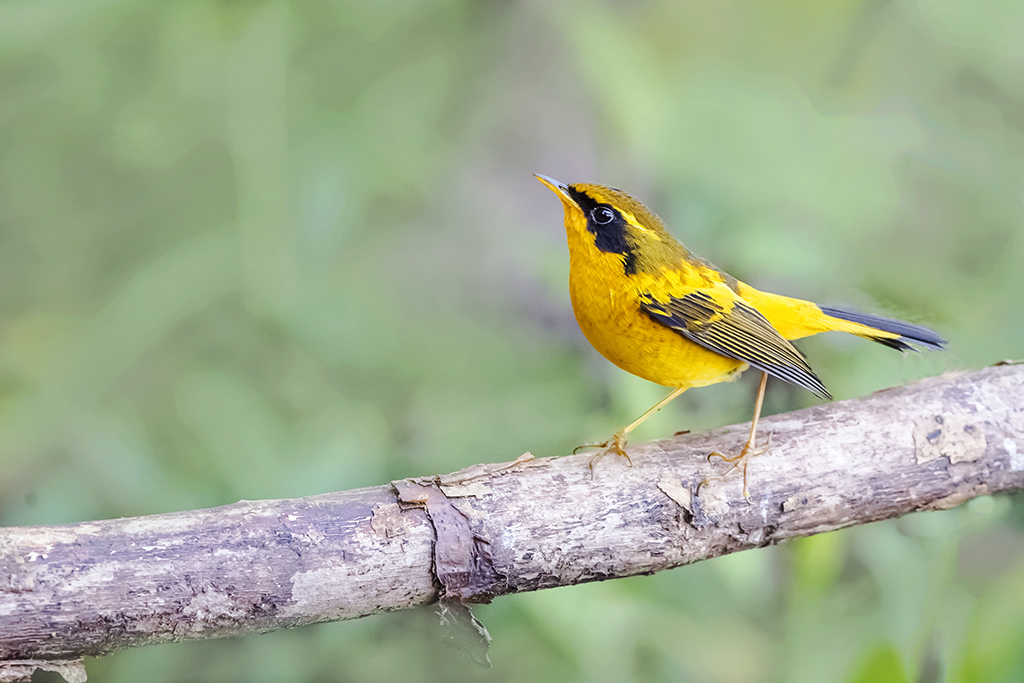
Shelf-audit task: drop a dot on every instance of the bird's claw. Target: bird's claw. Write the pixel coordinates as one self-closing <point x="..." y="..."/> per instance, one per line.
<point x="615" y="446"/>
<point x="749" y="450"/>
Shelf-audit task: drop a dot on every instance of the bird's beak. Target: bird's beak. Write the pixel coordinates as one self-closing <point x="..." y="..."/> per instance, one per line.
<point x="561" y="189"/>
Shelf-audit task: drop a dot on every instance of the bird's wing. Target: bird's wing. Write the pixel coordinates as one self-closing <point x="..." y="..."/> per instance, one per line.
<point x="717" y="319"/>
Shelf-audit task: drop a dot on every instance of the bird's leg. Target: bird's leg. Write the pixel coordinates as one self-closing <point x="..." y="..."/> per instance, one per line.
<point x="750" y="449"/>
<point x="617" y="444"/>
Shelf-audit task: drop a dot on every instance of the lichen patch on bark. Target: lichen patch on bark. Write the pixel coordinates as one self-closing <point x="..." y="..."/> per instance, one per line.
<point x="952" y="436"/>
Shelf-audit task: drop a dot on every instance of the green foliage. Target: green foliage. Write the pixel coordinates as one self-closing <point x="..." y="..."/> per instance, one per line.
<point x="881" y="666"/>
<point x="269" y="249"/>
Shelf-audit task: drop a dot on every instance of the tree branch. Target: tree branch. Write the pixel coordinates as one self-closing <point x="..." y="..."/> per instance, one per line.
<point x="90" y="588"/>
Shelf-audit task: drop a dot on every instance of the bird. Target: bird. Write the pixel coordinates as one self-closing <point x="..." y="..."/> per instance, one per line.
<point x="657" y="310"/>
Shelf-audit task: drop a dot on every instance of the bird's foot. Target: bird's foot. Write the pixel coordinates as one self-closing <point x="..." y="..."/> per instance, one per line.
<point x="750" y="449"/>
<point x="615" y="446"/>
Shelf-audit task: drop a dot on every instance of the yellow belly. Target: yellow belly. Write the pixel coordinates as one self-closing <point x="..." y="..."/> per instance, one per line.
<point x="614" y="323"/>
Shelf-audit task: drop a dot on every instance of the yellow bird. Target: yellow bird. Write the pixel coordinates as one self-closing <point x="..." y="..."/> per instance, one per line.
<point x="655" y="309"/>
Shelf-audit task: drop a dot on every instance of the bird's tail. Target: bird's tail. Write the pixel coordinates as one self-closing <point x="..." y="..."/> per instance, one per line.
<point x="895" y="334"/>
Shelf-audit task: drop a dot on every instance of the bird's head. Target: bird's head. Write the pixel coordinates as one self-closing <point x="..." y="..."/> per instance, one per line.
<point x="603" y="219"/>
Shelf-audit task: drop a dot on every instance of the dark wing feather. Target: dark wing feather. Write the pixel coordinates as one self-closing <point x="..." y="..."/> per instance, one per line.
<point x="738" y="332"/>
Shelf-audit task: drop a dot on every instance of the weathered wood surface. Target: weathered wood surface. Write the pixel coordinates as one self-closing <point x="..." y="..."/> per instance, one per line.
<point x="89" y="588"/>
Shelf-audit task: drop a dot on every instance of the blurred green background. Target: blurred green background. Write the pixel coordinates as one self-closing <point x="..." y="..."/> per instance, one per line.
<point x="261" y="249"/>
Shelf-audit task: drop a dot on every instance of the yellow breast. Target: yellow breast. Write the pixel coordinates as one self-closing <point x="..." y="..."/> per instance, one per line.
<point x="607" y="308"/>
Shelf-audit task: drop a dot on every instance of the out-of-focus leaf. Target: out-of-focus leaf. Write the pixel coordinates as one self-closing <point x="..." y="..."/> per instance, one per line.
<point x="881" y="665"/>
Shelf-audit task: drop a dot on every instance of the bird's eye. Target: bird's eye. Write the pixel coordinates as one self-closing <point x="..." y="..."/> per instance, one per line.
<point x="602" y="215"/>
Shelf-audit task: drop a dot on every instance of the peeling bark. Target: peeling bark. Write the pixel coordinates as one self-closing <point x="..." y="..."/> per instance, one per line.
<point x="90" y="588"/>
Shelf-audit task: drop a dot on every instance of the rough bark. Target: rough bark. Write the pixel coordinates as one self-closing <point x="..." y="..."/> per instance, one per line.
<point x="90" y="588"/>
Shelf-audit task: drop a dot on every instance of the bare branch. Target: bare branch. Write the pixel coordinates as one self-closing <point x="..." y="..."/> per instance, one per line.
<point x="90" y="588"/>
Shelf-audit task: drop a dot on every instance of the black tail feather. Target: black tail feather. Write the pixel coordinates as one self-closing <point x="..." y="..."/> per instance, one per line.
<point x="910" y="334"/>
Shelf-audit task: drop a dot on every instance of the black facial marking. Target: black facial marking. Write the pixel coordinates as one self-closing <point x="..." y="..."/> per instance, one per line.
<point x="629" y="263"/>
<point x="608" y="227"/>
